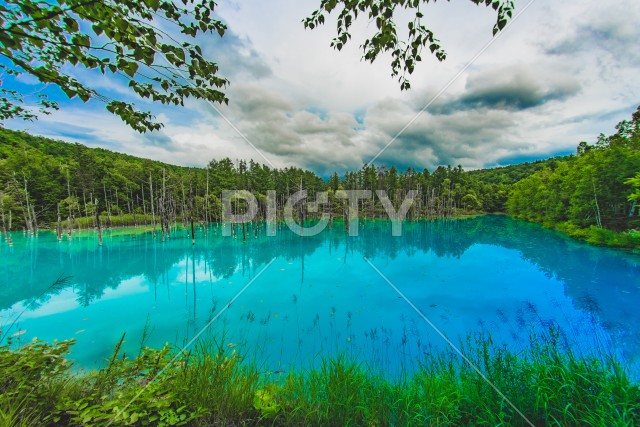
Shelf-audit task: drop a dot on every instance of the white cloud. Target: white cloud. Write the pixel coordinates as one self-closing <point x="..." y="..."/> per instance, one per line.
<point x="561" y="73"/>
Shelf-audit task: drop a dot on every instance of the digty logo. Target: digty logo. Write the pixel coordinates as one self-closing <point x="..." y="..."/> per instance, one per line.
<point x="353" y="197"/>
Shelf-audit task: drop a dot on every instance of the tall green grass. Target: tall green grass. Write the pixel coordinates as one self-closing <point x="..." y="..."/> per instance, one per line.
<point x="214" y="385"/>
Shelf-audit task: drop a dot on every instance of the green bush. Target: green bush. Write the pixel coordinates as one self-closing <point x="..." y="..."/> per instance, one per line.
<point x="214" y="385"/>
<point x="600" y="236"/>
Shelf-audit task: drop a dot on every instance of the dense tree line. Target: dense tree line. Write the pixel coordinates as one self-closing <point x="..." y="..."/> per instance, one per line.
<point x="48" y="183"/>
<point x="445" y="192"/>
<point x="44" y="182"/>
<point x="594" y="188"/>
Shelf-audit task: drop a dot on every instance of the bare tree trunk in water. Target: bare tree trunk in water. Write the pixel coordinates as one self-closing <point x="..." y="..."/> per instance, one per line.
<point x="59" y="226"/>
<point x="193" y="232"/>
<point x="98" y="223"/>
<point x="144" y="206"/>
<point x="26" y="210"/>
<point x="84" y="200"/>
<point x="595" y="198"/>
<point x="153" y="212"/>
<point x="35" y="219"/>
<point x="69" y="198"/>
<point x="206" y="208"/>
<point x="163" y="205"/>
<point x="4" y="227"/>
<point x="135" y="218"/>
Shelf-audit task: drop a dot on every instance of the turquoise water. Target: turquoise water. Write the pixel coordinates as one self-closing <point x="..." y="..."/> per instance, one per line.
<point x="307" y="297"/>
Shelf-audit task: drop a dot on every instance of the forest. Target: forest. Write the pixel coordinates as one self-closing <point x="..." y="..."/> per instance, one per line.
<point x="590" y="194"/>
<point x="44" y="181"/>
<point x="53" y="184"/>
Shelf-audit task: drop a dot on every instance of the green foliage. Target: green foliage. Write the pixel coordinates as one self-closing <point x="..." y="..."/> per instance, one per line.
<point x="265" y="401"/>
<point x="161" y="63"/>
<point x="212" y="385"/>
<point x="146" y="390"/>
<point x="591" y="191"/>
<point x="32" y="377"/>
<point x="471" y="202"/>
<point x="404" y="53"/>
<point x="220" y="381"/>
<point x="72" y="177"/>
<point x="635" y="184"/>
<point x="601" y="236"/>
<point x="509" y="175"/>
<point x="37" y="378"/>
<point x="119" y="38"/>
<point x="441" y="193"/>
<point x="121" y="183"/>
<point x="17" y="414"/>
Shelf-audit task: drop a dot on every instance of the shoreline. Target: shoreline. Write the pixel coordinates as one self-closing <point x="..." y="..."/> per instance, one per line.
<point x="600" y="237"/>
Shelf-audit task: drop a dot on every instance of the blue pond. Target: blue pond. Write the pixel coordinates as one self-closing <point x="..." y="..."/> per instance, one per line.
<point x="288" y="300"/>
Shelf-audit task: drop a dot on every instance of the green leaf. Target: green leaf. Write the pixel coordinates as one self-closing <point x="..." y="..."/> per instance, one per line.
<point x="131" y="69"/>
<point x="72" y="24"/>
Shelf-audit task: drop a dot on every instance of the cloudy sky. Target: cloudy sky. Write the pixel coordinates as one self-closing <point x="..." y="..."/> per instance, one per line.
<point x="562" y="72"/>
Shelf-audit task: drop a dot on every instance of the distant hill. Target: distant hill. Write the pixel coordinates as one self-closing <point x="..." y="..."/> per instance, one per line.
<point x="11" y="139"/>
<point x="511" y="174"/>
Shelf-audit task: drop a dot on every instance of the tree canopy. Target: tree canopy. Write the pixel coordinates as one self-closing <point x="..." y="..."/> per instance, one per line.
<point x="405" y="51"/>
<point x="150" y="45"/>
<point x="598" y="187"/>
<point x="136" y="40"/>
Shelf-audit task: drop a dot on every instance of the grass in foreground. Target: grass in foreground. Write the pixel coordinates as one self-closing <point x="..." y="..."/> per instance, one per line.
<point x="213" y="385"/>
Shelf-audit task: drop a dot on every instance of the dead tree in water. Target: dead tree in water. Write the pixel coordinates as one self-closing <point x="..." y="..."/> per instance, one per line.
<point x="184" y="205"/>
<point x="4" y="227"/>
<point x="193" y="232"/>
<point x="153" y="212"/>
<point x="84" y="201"/>
<point x="26" y="208"/>
<point x="163" y="208"/>
<point x="206" y="205"/>
<point x="118" y="210"/>
<point x="144" y="206"/>
<point x="35" y="220"/>
<point x="59" y="225"/>
<point x="70" y="207"/>
<point x="131" y="204"/>
<point x="107" y="205"/>
<point x="135" y="217"/>
<point x="345" y="216"/>
<point x="595" y="198"/>
<point x="98" y="223"/>
<point x="300" y="210"/>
